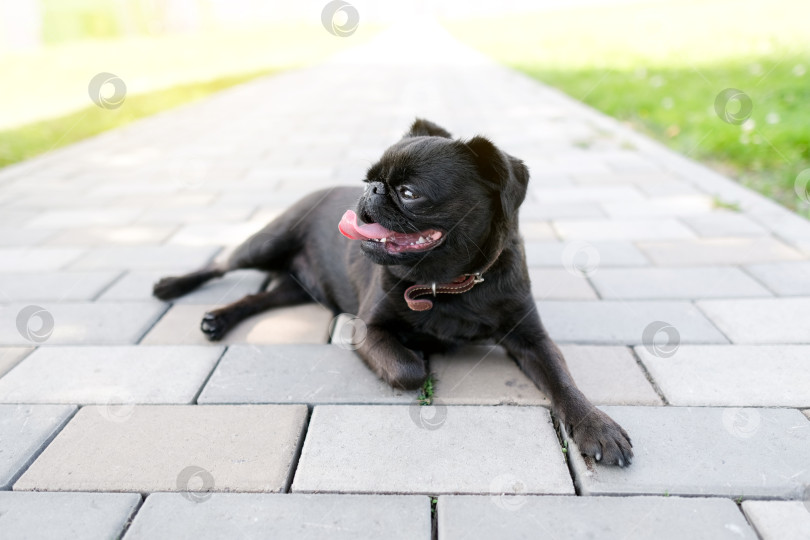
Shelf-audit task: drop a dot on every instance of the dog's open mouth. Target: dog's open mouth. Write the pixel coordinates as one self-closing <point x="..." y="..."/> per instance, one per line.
<point x="392" y="241"/>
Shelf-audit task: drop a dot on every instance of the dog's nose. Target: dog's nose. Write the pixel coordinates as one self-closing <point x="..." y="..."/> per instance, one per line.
<point x="376" y="188"/>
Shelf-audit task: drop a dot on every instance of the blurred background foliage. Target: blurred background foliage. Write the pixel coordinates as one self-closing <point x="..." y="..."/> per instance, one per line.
<point x="167" y="52"/>
<point x="656" y="65"/>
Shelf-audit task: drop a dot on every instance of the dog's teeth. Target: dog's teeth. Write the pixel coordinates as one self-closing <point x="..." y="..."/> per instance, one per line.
<point x="421" y="240"/>
<point x="382" y="240"/>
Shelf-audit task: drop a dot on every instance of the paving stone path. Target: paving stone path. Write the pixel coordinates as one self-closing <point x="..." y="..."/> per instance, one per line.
<point x="687" y="321"/>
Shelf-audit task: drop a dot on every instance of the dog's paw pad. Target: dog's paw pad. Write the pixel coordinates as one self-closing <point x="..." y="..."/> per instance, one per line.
<point x="600" y="437"/>
<point x="213" y="326"/>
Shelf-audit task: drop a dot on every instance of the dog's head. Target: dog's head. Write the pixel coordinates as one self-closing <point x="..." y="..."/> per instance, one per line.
<point x="434" y="207"/>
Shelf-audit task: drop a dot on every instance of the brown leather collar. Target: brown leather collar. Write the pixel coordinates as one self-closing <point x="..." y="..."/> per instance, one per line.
<point x="459" y="285"/>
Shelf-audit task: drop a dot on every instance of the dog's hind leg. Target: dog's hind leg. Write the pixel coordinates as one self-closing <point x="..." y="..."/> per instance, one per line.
<point x="174" y="286"/>
<point x="269" y="249"/>
<point x="285" y="292"/>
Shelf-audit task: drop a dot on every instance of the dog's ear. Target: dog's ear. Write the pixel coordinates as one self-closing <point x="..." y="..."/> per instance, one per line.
<point x="422" y="127"/>
<point x="508" y="174"/>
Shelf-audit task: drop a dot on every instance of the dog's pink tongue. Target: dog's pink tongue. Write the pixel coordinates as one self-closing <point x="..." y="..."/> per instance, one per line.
<point x="350" y="229"/>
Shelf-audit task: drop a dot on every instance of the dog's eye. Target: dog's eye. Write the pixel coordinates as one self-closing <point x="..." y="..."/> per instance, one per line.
<point x="407" y="193"/>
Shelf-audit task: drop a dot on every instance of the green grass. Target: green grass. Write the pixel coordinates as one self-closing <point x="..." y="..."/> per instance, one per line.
<point x="48" y="105"/>
<point x="425" y="396"/>
<point x="659" y="67"/>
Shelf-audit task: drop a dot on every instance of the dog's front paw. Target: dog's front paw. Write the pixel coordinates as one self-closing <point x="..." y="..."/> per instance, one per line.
<point x="601" y="438"/>
<point x="214" y="325"/>
<point x="406" y="375"/>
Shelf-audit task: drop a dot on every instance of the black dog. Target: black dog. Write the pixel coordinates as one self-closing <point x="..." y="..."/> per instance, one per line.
<point x="440" y="221"/>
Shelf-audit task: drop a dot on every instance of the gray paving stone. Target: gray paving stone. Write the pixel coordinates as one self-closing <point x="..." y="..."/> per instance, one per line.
<point x="38" y="259"/>
<point x="145" y="257"/>
<point x="541" y="210"/>
<point x="11" y="356"/>
<point x="486" y="376"/>
<point x="471" y="517"/>
<point x="537" y="231"/>
<point x="54" y="516"/>
<point x="144" y="448"/>
<point x="215" y="234"/>
<point x="785" y="279"/>
<point x="624" y="322"/>
<point x="178" y="216"/>
<point x="663" y="206"/>
<point x="732" y="375"/>
<point x="298" y="373"/>
<point x="283" y="516"/>
<point x="560" y="284"/>
<point x="558" y="254"/>
<point x="16" y="218"/>
<point x="715" y="251"/>
<point x="667" y="188"/>
<point x="83" y="217"/>
<point x="704" y="451"/>
<point x="609" y="375"/>
<point x="483" y="375"/>
<point x="95" y="236"/>
<point x="300" y="324"/>
<point x="626" y="229"/>
<point x="635" y="179"/>
<point x="724" y="223"/>
<point x="597" y="194"/>
<point x="765" y="320"/>
<point x="137" y="285"/>
<point x="787" y="225"/>
<point x="107" y="374"/>
<point x="24" y="431"/>
<point x="55" y="286"/>
<point x="435" y="449"/>
<point x="79" y="323"/>
<point x="17" y="237"/>
<point x="775" y="520"/>
<point x="675" y="283"/>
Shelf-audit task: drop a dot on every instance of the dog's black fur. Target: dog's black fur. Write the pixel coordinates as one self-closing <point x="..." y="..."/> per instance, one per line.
<point x="471" y="191"/>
